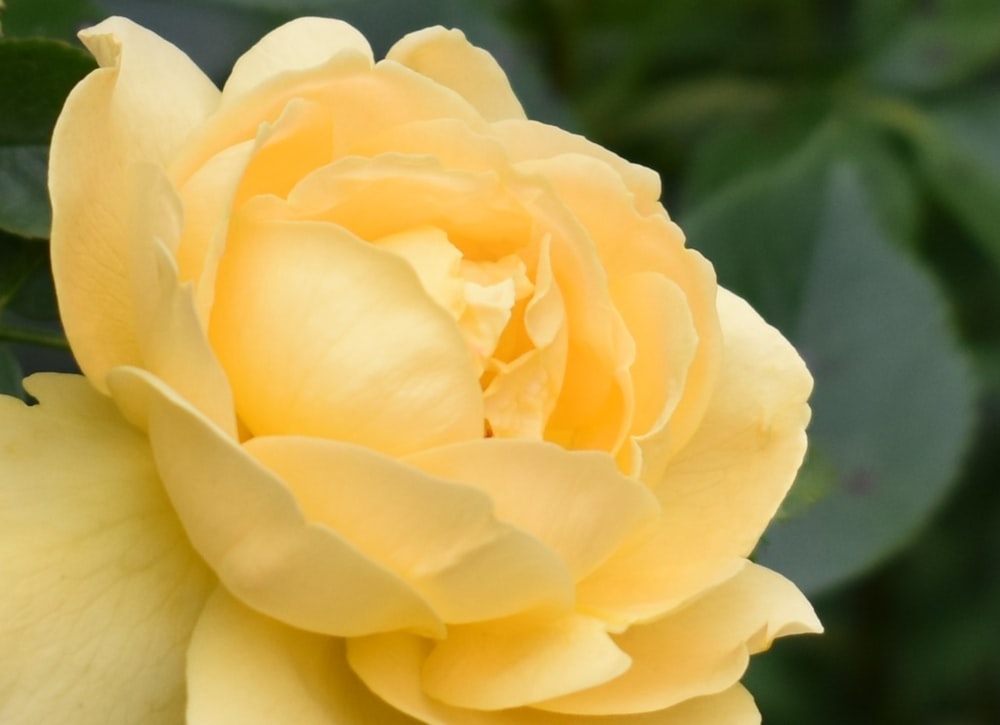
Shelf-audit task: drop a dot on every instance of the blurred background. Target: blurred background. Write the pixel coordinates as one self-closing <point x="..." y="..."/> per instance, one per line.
<point x="839" y="162"/>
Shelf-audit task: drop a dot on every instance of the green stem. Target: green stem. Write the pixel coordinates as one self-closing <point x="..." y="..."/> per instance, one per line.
<point x="34" y="337"/>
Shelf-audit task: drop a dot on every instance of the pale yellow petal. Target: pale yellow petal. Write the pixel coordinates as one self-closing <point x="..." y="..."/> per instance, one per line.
<point x="722" y="489"/>
<point x="532" y="140"/>
<point x="100" y="588"/>
<point x="301" y="44"/>
<point x="441" y="537"/>
<point x="324" y="335"/>
<point x="247" y="669"/>
<point x="595" y="404"/>
<point x="391" y="666"/>
<point x="455" y="143"/>
<point x="494" y="668"/>
<point x="139" y="107"/>
<point x="577" y="503"/>
<point x="643" y="582"/>
<point x="700" y="650"/>
<point x="173" y="344"/>
<point x="478" y="210"/>
<point x="363" y="101"/>
<point x="247" y="525"/>
<point x="628" y="242"/>
<point x="520" y="398"/>
<point x="436" y="261"/>
<point x="451" y="60"/>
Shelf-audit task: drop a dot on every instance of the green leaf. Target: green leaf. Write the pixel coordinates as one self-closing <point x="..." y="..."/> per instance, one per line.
<point x="941" y="44"/>
<point x="10" y="373"/>
<point x="756" y="230"/>
<point x="959" y="158"/>
<point x="49" y="18"/>
<point x="35" y="78"/>
<point x="24" y="196"/>
<point x="892" y="406"/>
<point x="36" y="75"/>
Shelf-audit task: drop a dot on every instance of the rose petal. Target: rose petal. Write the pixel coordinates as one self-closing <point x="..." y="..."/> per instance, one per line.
<point x="577" y="503"/>
<point x="172" y="341"/>
<point x="391" y="666"/>
<point x="725" y="485"/>
<point x="139" y="107"/>
<point x="523" y="392"/>
<point x="628" y="242"/>
<point x="313" y="347"/>
<point x="645" y="581"/>
<point x="495" y="668"/>
<point x="246" y="524"/>
<point x="301" y="44"/>
<point x="594" y="409"/>
<point x="439" y="536"/>
<point x="100" y="587"/>
<point x="454" y="143"/>
<point x="451" y="60"/>
<point x="532" y="140"/>
<point x="363" y="100"/>
<point x="247" y="669"/>
<point x="702" y="649"/>
<point x="478" y="211"/>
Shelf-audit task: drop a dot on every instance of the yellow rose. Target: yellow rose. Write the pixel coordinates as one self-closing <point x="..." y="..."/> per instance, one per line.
<point x="431" y="414"/>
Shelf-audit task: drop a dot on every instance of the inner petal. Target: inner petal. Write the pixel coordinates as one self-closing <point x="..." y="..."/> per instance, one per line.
<point x="313" y="347"/>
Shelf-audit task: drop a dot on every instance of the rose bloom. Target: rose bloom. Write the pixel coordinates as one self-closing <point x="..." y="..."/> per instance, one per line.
<point x="398" y="407"/>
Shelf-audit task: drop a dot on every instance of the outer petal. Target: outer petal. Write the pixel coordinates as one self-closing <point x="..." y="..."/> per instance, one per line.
<point x="442" y="537"/>
<point x="298" y="45"/>
<point x="247" y="525"/>
<point x="140" y="106"/>
<point x="448" y="58"/>
<point x="100" y="588"/>
<point x="493" y="668"/>
<point x="725" y="485"/>
<point x="630" y="243"/>
<point x="532" y="140"/>
<point x="576" y="502"/>
<point x="391" y="666"/>
<point x="247" y="669"/>
<point x="313" y="347"/>
<point x="173" y="343"/>
<point x="700" y="650"/>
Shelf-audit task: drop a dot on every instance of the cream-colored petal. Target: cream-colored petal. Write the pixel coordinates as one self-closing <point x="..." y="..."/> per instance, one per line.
<point x="247" y="525"/>
<point x="441" y="537"/>
<point x="478" y="210"/>
<point x="658" y="318"/>
<point x="628" y="242"/>
<point x="436" y="261"/>
<point x="700" y="650"/>
<point x="139" y="107"/>
<point x="100" y="588"/>
<point x="532" y="140"/>
<point x="722" y="489"/>
<point x="451" y="60"/>
<point x="391" y="666"/>
<point x="500" y="667"/>
<point x="247" y="669"/>
<point x="455" y="143"/>
<point x="173" y="344"/>
<point x="644" y="581"/>
<point x="595" y="404"/>
<point x="523" y="392"/>
<point x="577" y="503"/>
<point x="324" y="335"/>
<point x="363" y="101"/>
<point x="301" y="44"/>
<point x="207" y="199"/>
